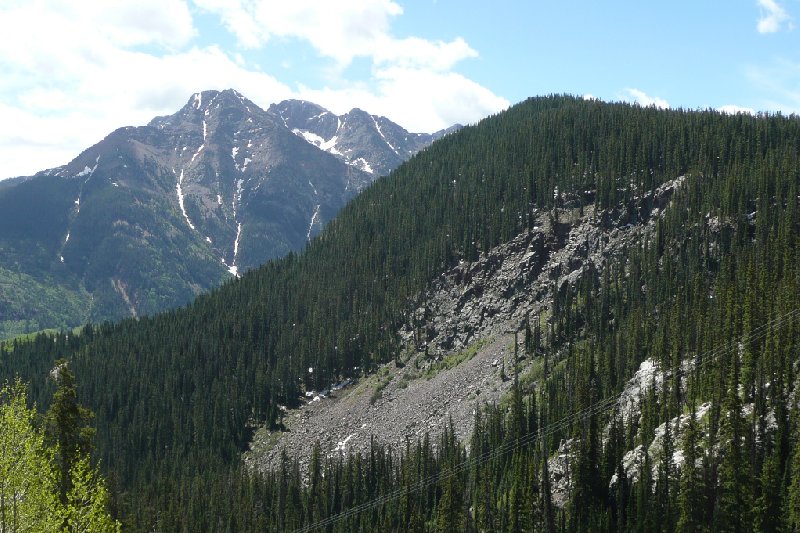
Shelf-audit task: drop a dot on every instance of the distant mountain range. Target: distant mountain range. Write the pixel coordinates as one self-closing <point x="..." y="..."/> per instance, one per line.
<point x="152" y="216"/>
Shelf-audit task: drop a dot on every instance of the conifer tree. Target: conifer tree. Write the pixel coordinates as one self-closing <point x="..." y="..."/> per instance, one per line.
<point x="68" y="426"/>
<point x="449" y="510"/>
<point x="690" y="506"/>
<point x="768" y="506"/>
<point x="733" y="506"/>
<point x="793" y="500"/>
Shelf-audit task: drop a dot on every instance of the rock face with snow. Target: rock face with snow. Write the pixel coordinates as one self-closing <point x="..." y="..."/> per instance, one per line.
<point x="154" y="215"/>
<point x="370" y="143"/>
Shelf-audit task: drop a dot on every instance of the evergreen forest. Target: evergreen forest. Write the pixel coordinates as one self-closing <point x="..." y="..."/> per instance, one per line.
<point x="712" y="300"/>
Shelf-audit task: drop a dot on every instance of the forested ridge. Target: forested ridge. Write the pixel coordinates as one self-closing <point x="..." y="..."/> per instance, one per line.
<point x="176" y="396"/>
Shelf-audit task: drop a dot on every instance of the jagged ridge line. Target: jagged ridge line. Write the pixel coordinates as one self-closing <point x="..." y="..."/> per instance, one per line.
<point x="597" y="408"/>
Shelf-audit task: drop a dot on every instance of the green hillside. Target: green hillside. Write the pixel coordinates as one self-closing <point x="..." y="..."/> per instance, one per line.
<point x="177" y="395"/>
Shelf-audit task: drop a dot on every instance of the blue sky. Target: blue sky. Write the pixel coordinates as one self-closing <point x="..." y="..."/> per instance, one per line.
<point x="74" y="71"/>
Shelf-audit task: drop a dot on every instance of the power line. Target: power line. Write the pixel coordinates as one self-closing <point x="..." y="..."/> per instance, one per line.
<point x="598" y="407"/>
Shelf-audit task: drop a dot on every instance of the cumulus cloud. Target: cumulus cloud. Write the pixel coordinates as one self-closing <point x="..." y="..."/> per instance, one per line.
<point x="420" y="100"/>
<point x="415" y="52"/>
<point x="28" y="26"/>
<point x="342" y="30"/>
<point x="773" y="17"/>
<point x="239" y="18"/>
<point x="643" y="99"/>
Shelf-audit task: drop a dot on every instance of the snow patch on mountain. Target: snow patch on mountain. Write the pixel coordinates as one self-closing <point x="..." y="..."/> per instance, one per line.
<point x="88" y="171"/>
<point x="362" y="164"/>
<point x="326" y="145"/>
<point x="233" y="269"/>
<point x="377" y="127"/>
<point x="330" y="145"/>
<point x="238" y="198"/>
<point x="311" y="224"/>
<point x="197" y="152"/>
<point x="179" y="188"/>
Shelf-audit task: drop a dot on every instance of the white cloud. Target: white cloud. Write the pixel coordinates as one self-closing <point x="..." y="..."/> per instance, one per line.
<point x="55" y="24"/>
<point x="732" y="109"/>
<point x="342" y="30"/>
<point x="415" y="52"/>
<point x="643" y="99"/>
<point x="419" y="100"/>
<point x="238" y="17"/>
<point x="773" y="16"/>
<point x="33" y="143"/>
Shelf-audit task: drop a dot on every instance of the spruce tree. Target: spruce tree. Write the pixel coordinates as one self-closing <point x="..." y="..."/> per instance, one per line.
<point x="793" y="500"/>
<point x="67" y="426"/>
<point x="690" y="497"/>
<point x="733" y="505"/>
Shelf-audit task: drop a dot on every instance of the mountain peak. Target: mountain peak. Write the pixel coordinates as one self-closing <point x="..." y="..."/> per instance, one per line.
<point x="212" y="99"/>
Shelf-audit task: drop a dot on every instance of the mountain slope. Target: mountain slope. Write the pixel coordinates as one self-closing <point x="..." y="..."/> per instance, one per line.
<point x="152" y="216"/>
<point x="177" y="396"/>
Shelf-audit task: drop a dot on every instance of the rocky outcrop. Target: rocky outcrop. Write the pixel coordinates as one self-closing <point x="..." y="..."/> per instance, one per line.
<point x="517" y="279"/>
<point x="460" y="335"/>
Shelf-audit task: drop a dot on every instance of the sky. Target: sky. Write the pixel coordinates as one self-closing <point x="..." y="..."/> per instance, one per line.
<point x="72" y="71"/>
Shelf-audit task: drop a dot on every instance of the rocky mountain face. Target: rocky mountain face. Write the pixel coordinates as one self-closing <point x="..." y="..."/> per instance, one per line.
<point x="370" y="143"/>
<point x="152" y="216"/>
<point x="459" y="339"/>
